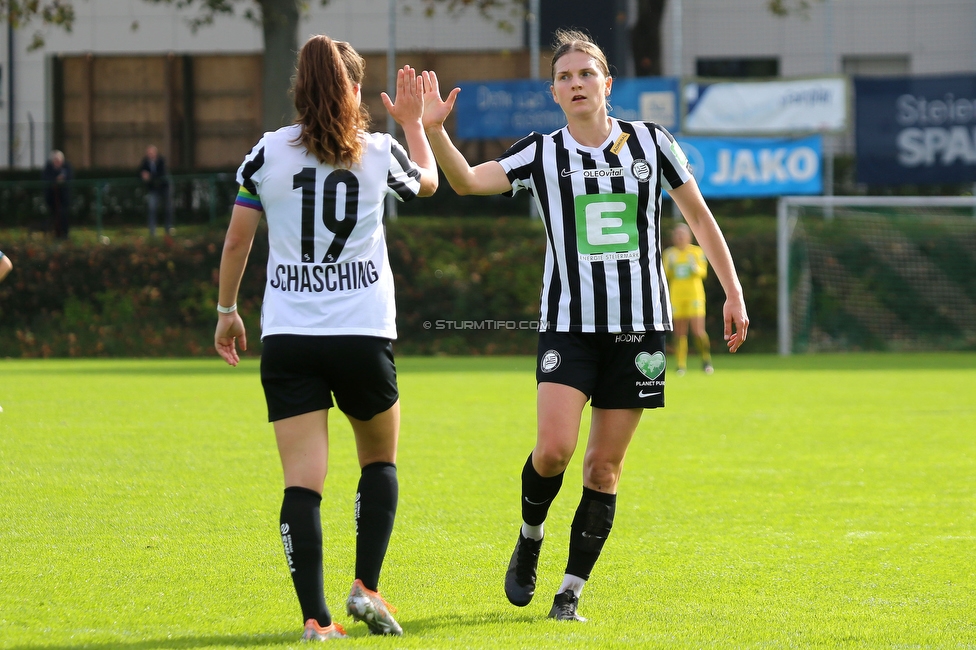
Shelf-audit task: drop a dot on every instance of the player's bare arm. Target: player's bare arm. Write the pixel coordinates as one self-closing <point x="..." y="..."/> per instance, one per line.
<point x="701" y="221"/>
<point x="407" y="109"/>
<point x="485" y="179"/>
<point x="237" y="247"/>
<point x="5" y="266"/>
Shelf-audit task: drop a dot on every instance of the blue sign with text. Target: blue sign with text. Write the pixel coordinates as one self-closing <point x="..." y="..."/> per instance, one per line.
<point x="754" y="167"/>
<point x="515" y="108"/>
<point x="916" y="130"/>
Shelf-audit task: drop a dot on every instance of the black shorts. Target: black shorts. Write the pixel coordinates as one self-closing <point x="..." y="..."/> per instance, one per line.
<point x="616" y="371"/>
<point x="300" y="374"/>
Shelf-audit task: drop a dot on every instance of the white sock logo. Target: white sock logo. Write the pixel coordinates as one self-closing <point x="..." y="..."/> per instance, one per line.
<point x="358" y="499"/>
<point x="289" y="547"/>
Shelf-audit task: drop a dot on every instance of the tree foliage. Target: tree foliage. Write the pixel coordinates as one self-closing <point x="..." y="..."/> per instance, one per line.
<point x="787" y="7"/>
<point x="504" y="13"/>
<point x="253" y="10"/>
<point x="21" y="13"/>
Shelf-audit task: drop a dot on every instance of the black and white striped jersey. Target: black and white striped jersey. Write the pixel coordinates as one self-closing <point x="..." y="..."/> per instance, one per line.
<point x="328" y="269"/>
<point x="602" y="211"/>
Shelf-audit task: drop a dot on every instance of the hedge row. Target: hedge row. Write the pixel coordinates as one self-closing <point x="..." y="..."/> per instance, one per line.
<point x="196" y="199"/>
<point x="144" y="297"/>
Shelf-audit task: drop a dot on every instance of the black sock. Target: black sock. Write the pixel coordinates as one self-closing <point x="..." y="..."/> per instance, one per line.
<point x="591" y="527"/>
<point x="301" y="535"/>
<point x="376" y="504"/>
<point x="537" y="493"/>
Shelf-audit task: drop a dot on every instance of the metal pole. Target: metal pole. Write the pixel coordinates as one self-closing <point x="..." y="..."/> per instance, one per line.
<point x="828" y="138"/>
<point x="829" y="67"/>
<point x="534" y="50"/>
<point x="677" y="54"/>
<point x="98" y="210"/>
<point x="30" y="130"/>
<point x="782" y="275"/>
<point x="10" y="87"/>
<point x="212" y="189"/>
<point x="391" y="77"/>
<point x="677" y="46"/>
<point x="532" y="24"/>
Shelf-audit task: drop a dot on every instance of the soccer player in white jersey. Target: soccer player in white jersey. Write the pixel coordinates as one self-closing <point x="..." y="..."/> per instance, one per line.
<point x="597" y="183"/>
<point x="328" y="313"/>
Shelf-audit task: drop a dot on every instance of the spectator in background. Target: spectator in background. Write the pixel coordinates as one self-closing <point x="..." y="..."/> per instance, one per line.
<point x="156" y="180"/>
<point x="686" y="268"/>
<point x="57" y="173"/>
<point x="5" y="266"/>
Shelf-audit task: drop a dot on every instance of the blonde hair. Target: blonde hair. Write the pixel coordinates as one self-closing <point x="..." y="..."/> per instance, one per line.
<point x="574" y="40"/>
<point x="330" y="117"/>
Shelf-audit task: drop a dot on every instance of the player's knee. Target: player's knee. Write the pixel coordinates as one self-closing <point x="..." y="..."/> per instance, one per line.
<point x="551" y="459"/>
<point x="601" y="474"/>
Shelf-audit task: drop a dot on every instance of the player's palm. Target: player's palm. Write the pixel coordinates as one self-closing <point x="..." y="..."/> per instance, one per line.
<point x="408" y="106"/>
<point x="436" y="109"/>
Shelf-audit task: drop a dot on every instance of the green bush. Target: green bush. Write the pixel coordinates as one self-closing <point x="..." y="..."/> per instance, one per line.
<point x="131" y="298"/>
<point x="118" y="201"/>
<point x="456" y="272"/>
<point x="155" y="297"/>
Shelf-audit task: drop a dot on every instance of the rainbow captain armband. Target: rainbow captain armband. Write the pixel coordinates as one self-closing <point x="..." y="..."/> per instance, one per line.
<point x="248" y="200"/>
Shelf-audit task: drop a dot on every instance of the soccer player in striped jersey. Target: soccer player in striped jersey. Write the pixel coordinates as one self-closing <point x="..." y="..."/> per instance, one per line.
<point x="686" y="266"/>
<point x="328" y="318"/>
<point x="597" y="184"/>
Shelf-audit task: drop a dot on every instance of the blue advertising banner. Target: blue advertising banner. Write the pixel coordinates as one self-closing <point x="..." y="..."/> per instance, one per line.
<point x="515" y="108"/>
<point x="754" y="167"/>
<point x="916" y="130"/>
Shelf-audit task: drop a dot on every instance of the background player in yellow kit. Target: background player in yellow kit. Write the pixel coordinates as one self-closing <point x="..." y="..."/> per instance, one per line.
<point x="685" y="266"/>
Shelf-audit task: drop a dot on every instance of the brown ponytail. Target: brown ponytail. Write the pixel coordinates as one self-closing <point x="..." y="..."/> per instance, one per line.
<point x="330" y="117"/>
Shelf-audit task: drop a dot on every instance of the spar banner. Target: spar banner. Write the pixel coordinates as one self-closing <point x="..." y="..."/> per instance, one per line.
<point x="514" y="108"/>
<point x="766" y="107"/>
<point x="916" y="130"/>
<point x="754" y="167"/>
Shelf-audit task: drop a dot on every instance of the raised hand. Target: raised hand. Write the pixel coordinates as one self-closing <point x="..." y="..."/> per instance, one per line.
<point x="409" y="103"/>
<point x="436" y="109"/>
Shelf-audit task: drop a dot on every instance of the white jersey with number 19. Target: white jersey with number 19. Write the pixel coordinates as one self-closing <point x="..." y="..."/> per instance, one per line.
<point x="328" y="269"/>
<point x="602" y="211"/>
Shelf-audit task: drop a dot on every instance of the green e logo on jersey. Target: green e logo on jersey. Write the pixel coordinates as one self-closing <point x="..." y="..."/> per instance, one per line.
<point x="606" y="227"/>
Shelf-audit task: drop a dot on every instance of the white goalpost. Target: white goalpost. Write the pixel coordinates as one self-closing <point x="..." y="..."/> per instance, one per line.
<point x="876" y="273"/>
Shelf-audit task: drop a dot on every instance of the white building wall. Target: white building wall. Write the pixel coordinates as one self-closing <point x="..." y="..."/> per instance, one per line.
<point x="936" y="36"/>
<point x="930" y="36"/>
<point x="939" y="36"/>
<point x="136" y="26"/>
<point x="364" y="24"/>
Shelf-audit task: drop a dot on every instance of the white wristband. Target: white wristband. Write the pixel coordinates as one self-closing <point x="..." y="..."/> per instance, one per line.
<point x="227" y="310"/>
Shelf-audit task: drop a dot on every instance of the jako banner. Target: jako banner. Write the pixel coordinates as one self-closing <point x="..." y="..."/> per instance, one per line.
<point x="754" y="167"/>
<point x="766" y="107"/>
<point x="916" y="130"/>
<point x="515" y="108"/>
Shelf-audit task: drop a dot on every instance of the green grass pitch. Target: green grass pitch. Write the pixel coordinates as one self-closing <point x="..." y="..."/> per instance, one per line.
<point x="824" y="501"/>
